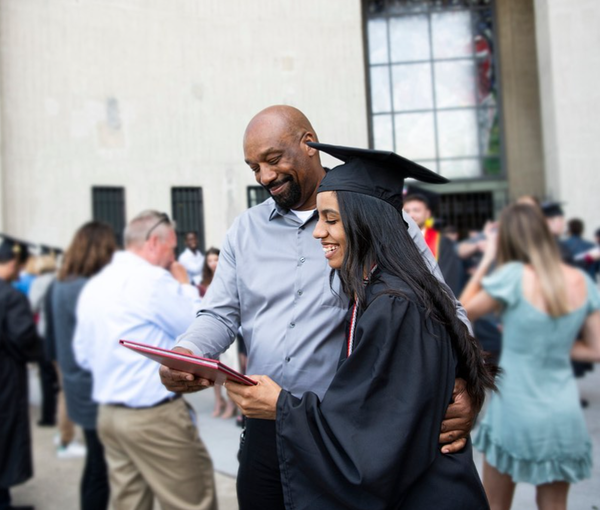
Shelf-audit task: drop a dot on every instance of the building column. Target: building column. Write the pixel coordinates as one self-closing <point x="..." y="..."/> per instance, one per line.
<point x="569" y="68"/>
<point x="523" y="147"/>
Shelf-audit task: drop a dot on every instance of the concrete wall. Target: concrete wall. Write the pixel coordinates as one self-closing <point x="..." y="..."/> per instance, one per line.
<point x="520" y="96"/>
<point x="569" y="65"/>
<point x="150" y="94"/>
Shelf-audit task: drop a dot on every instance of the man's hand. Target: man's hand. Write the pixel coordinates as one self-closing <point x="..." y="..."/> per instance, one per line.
<point x="179" y="273"/>
<point x="182" y="382"/>
<point x="459" y="419"/>
<point x="258" y="401"/>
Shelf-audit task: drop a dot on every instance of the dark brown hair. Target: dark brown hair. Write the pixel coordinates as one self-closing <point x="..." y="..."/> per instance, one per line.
<point x="207" y="273"/>
<point x="376" y="234"/>
<point x="91" y="249"/>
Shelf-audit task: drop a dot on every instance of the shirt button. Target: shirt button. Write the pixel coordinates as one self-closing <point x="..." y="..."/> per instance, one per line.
<point x="302" y="259"/>
<point x="288" y="359"/>
<point x="292" y="325"/>
<point x="299" y="292"/>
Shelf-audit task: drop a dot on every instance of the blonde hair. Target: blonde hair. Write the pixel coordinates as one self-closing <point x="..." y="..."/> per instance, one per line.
<point x="524" y="236"/>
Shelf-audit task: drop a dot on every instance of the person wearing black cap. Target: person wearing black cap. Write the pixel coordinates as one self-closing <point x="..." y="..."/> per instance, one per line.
<point x="19" y="344"/>
<point x="555" y="217"/>
<point x="371" y="441"/>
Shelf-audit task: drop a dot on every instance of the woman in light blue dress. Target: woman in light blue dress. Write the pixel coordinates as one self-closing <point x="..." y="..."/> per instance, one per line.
<point x="534" y="429"/>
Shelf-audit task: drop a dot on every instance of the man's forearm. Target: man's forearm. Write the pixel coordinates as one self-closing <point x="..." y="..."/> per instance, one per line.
<point x="207" y="336"/>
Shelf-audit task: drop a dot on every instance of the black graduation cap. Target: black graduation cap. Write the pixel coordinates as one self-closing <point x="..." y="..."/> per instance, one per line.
<point x="379" y="174"/>
<point x="50" y="250"/>
<point x="552" y="209"/>
<point x="12" y="248"/>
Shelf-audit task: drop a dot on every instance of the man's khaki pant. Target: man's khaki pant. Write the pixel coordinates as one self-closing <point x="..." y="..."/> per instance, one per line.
<point x="156" y="452"/>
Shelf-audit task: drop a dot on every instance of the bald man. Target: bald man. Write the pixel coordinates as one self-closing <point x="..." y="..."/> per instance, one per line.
<point x="274" y="283"/>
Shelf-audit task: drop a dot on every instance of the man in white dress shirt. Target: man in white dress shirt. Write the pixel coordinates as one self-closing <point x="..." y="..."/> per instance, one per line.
<point x="192" y="258"/>
<point x="150" y="439"/>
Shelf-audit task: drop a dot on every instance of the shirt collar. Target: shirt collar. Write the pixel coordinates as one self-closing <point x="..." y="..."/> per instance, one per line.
<point x="286" y="213"/>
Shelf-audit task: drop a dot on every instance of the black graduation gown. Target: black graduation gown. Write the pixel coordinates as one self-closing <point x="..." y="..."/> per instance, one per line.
<point x="19" y="343"/>
<point x="372" y="442"/>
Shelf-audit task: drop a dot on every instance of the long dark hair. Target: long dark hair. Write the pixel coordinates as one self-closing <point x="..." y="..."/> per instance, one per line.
<point x="207" y="272"/>
<point x="91" y="249"/>
<point x="376" y="234"/>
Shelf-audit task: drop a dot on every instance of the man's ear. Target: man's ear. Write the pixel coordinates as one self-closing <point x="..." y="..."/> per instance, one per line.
<point x="310" y="137"/>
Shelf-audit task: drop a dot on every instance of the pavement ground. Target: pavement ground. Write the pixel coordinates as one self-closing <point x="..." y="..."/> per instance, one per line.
<point x="55" y="485"/>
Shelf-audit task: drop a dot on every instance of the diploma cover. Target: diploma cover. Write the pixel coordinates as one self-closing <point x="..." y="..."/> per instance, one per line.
<point x="204" y="367"/>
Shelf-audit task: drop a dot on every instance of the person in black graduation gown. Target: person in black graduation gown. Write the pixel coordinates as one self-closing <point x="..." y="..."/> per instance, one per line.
<point x="418" y="206"/>
<point x="372" y="441"/>
<point x="19" y="344"/>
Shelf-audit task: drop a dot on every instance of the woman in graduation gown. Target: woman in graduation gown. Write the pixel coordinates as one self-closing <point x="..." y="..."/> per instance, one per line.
<point x="372" y="441"/>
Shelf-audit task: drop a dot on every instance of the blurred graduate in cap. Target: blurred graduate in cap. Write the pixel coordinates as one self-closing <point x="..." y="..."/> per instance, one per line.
<point x="19" y="344"/>
<point x="555" y="218"/>
<point x="372" y="440"/>
<point x="418" y="203"/>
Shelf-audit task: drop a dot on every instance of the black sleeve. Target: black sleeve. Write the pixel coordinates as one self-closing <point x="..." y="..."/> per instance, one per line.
<point x="451" y="265"/>
<point x="20" y="335"/>
<point x="50" y="339"/>
<point x="376" y="430"/>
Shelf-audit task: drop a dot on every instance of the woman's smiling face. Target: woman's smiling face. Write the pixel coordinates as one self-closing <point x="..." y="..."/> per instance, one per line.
<point x="330" y="230"/>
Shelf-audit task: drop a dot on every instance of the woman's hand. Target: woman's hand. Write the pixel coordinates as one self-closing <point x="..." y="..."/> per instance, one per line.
<point x="258" y="401"/>
<point x="490" y="231"/>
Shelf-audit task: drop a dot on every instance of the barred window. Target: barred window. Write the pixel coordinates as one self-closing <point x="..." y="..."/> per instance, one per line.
<point x="256" y="195"/>
<point x="188" y="213"/>
<point x="108" y="205"/>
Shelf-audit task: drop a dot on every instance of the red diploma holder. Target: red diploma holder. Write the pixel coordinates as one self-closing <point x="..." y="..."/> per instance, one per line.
<point x="204" y="367"/>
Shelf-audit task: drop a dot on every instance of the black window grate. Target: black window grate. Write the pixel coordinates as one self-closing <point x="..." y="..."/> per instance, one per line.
<point x="188" y="213"/>
<point x="256" y="195"/>
<point x="108" y="205"/>
<point x="465" y="211"/>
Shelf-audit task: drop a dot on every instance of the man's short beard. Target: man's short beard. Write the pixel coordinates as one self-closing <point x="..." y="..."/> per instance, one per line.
<point x="290" y="198"/>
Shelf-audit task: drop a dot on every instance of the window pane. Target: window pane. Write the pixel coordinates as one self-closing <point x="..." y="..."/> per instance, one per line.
<point x="403" y="6"/>
<point x="412" y="87"/>
<point x="484" y="55"/>
<point x="460" y="168"/>
<point x="375" y="6"/>
<point x="489" y="131"/>
<point x="457" y="133"/>
<point x="431" y="164"/>
<point x="415" y="135"/>
<point x="454" y="84"/>
<point x="378" y="43"/>
<point x="451" y="33"/>
<point x="450" y="3"/>
<point x="380" y="89"/>
<point x="382" y="133"/>
<point x="492" y="167"/>
<point x="409" y="38"/>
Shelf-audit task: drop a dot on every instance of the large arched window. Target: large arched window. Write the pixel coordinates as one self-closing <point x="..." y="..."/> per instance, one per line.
<point x="433" y="84"/>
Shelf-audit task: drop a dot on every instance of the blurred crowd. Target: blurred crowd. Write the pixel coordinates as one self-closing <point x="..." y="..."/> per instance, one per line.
<point x="110" y="407"/>
<point x="148" y="296"/>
